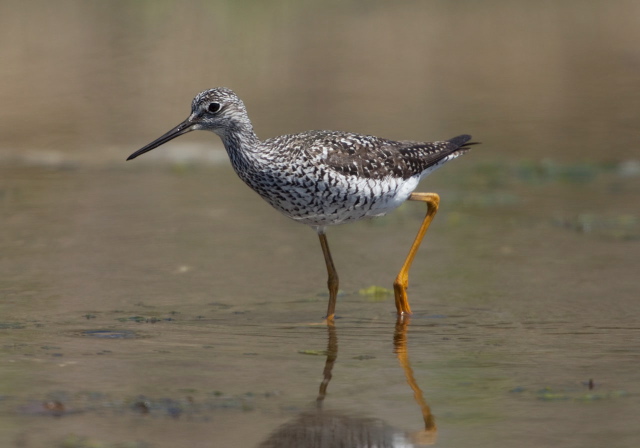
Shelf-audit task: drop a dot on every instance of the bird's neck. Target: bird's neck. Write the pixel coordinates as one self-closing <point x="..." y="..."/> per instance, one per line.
<point x="242" y="145"/>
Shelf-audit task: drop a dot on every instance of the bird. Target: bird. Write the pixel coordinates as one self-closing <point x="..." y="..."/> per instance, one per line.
<point x="323" y="178"/>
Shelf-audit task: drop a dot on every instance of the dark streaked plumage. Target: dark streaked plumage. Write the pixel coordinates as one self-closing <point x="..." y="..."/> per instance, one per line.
<point x="325" y="178"/>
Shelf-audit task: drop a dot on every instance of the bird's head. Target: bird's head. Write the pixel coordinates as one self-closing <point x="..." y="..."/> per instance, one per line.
<point x="218" y="110"/>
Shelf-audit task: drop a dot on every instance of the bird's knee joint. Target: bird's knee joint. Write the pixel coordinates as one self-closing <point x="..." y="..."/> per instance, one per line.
<point x="401" y="283"/>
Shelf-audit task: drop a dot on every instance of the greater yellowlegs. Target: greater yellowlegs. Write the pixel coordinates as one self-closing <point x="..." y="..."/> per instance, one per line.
<point x="323" y="178"/>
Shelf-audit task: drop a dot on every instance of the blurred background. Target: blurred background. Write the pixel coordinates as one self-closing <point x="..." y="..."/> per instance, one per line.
<point x="160" y="302"/>
<point x="532" y="79"/>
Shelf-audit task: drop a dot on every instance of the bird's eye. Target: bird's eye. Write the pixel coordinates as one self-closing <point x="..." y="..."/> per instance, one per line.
<point x="214" y="107"/>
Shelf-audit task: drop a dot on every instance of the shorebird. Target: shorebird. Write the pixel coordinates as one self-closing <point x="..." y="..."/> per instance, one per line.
<point x="323" y="178"/>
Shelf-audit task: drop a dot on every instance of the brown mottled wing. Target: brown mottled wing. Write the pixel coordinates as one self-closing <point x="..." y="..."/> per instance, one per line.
<point x="375" y="158"/>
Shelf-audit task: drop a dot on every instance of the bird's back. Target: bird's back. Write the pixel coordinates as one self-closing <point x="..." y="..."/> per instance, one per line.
<point x="365" y="156"/>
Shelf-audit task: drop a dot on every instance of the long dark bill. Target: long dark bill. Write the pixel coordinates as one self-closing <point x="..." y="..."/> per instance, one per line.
<point x="182" y="128"/>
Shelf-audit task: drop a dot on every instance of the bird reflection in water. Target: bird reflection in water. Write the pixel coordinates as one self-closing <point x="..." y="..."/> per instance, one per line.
<point x="329" y="429"/>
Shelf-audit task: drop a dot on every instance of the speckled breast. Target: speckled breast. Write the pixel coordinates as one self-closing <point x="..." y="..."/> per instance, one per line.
<point x="318" y="197"/>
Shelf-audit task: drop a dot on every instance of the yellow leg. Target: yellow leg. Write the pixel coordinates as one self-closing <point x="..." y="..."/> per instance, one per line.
<point x="428" y="435"/>
<point x="332" y="282"/>
<point x="402" y="280"/>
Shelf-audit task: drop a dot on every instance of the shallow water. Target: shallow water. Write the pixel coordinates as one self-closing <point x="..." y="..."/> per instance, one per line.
<point x="161" y="303"/>
<point x="167" y="306"/>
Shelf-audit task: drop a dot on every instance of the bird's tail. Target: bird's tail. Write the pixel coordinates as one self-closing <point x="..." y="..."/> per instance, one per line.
<point x="462" y="143"/>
